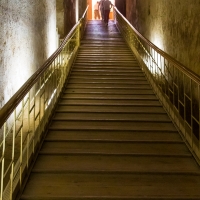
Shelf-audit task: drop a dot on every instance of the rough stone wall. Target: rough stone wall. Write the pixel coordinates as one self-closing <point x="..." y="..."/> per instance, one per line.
<point x="121" y="6"/>
<point x="60" y="17"/>
<point x="82" y="7"/>
<point x="172" y="25"/>
<point x="69" y="15"/>
<point x="27" y="38"/>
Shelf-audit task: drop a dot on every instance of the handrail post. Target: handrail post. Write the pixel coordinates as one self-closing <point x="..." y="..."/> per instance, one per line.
<point x="174" y="84"/>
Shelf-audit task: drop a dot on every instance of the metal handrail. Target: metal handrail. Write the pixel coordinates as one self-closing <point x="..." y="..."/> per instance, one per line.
<point x="24" y="117"/>
<point x="177" y="87"/>
<point x="180" y="66"/>
<point x="9" y="107"/>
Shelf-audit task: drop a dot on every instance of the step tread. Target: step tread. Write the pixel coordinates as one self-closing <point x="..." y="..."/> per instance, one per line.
<point x="110" y="69"/>
<point x="114" y="163"/>
<point x="140" y="96"/>
<point x="102" y="91"/>
<point x="94" y="116"/>
<point x="117" y="81"/>
<point x="131" y="136"/>
<point x="106" y="72"/>
<point x="107" y="86"/>
<point x="109" y="103"/>
<point x="113" y="147"/>
<point x="75" y="185"/>
<point x="112" y="125"/>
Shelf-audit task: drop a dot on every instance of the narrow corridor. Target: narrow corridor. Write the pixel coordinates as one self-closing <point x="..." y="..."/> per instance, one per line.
<point x="109" y="137"/>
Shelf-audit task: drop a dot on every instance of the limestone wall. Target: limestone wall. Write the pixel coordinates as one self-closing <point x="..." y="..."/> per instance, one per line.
<point x="27" y="38"/>
<point x="172" y="25"/>
<point x="70" y="13"/>
<point x="82" y="7"/>
<point x="121" y="6"/>
<point x="60" y="17"/>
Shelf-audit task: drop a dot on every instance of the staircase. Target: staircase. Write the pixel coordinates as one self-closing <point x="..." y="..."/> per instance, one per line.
<point x="109" y="137"/>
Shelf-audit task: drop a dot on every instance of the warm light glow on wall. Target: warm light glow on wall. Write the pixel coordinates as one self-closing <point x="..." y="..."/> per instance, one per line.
<point x="51" y="36"/>
<point x="156" y="34"/>
<point x="19" y="60"/>
<point x="26" y="42"/>
<point x="77" y="10"/>
<point x="157" y="39"/>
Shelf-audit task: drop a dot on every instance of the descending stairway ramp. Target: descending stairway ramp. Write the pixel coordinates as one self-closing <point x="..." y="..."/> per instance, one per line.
<point x="109" y="137"/>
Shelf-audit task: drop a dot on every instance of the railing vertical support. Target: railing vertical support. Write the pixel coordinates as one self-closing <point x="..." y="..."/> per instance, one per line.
<point x="27" y="113"/>
<point x="167" y="83"/>
<point x="3" y="159"/>
<point x="29" y="129"/>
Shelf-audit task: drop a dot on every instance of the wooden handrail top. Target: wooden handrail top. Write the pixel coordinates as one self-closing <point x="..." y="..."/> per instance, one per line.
<point x="181" y="67"/>
<point x="9" y="107"/>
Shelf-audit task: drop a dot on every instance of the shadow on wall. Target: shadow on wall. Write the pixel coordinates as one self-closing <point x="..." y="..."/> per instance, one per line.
<point x="69" y="15"/>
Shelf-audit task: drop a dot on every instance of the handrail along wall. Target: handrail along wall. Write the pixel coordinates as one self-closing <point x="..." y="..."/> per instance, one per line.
<point x="177" y="87"/>
<point x="24" y="117"/>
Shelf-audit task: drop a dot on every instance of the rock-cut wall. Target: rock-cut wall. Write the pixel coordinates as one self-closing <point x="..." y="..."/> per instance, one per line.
<point x="172" y="25"/>
<point x="27" y="38"/>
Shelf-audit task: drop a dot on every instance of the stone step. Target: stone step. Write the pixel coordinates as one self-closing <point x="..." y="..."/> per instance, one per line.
<point x="107" y="68"/>
<point x="106" y="97"/>
<point x="109" y="63"/>
<point x="139" y="85"/>
<point x="118" y="40"/>
<point x="113" y="116"/>
<point x="112" y="185"/>
<point x="117" y="81"/>
<point x="104" y="91"/>
<point x="111" y="125"/>
<point x="110" y="109"/>
<point x="103" y="53"/>
<point x="117" y="68"/>
<point x="106" y="59"/>
<point x="109" y="73"/>
<point x="112" y="105"/>
<point x="113" y="80"/>
<point x="119" y="50"/>
<point x="118" y="77"/>
<point x="90" y="37"/>
<point x="103" y="147"/>
<point x="115" y="163"/>
<point x="97" y="135"/>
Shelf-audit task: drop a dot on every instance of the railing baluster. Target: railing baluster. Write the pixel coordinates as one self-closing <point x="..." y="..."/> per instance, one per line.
<point x="191" y="114"/>
<point x="28" y="129"/>
<point x="32" y="106"/>
<point x="21" y="158"/>
<point x="173" y="82"/>
<point x="3" y="159"/>
<point x="199" y="118"/>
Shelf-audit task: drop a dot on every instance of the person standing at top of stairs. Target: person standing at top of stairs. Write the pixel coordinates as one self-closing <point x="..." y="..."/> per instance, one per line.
<point x="107" y="6"/>
<point x="101" y="9"/>
<point x="96" y="10"/>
